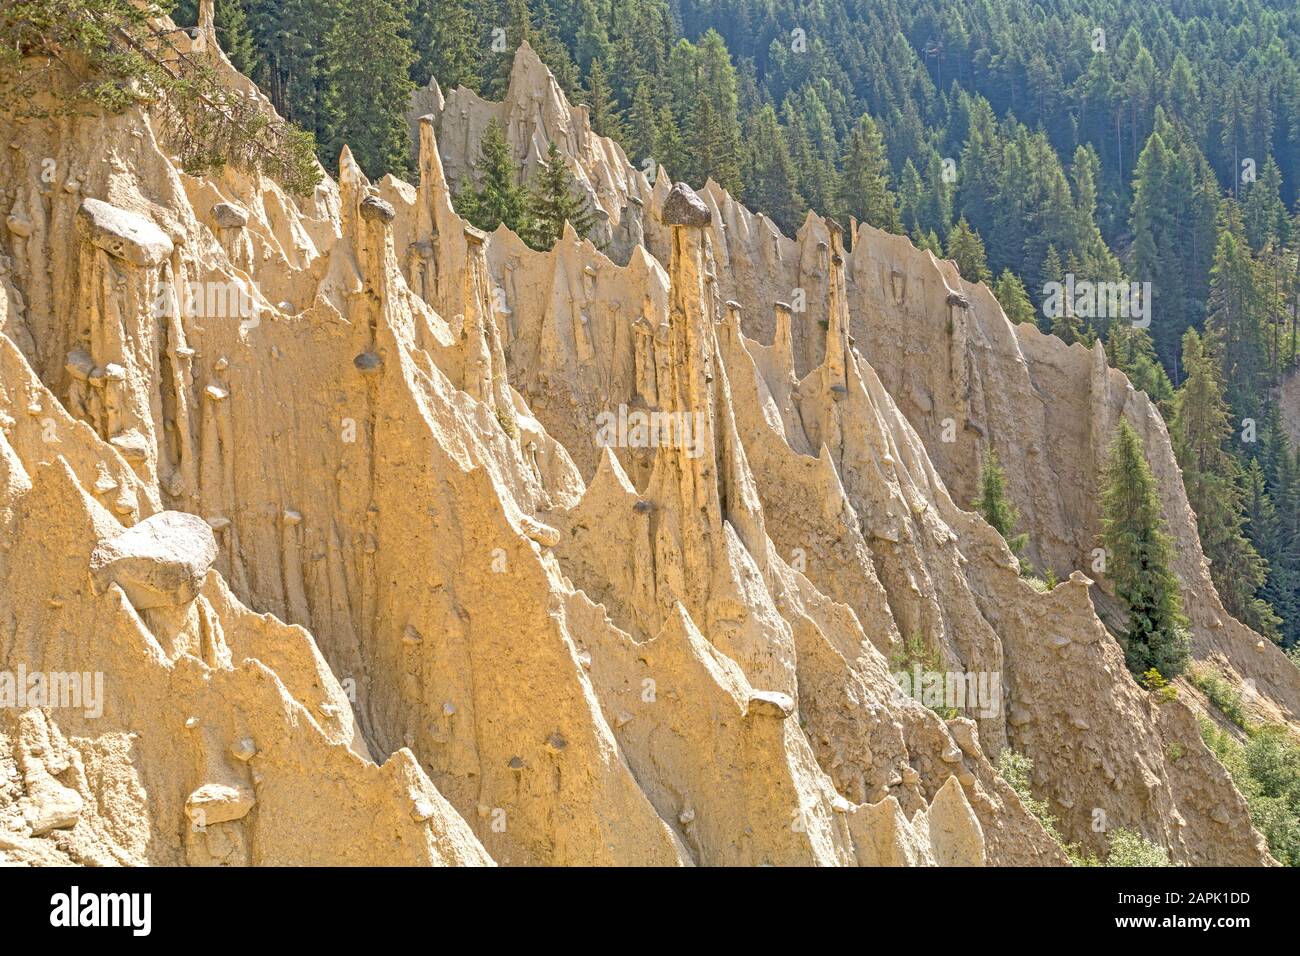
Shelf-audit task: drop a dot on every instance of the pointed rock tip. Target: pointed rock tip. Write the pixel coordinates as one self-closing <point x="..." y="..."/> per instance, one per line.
<point x="683" y="207"/>
<point x="609" y="469"/>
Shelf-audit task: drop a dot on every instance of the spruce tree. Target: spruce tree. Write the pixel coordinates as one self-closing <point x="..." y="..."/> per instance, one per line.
<point x="552" y="202"/>
<point x="966" y="248"/>
<point x="997" y="508"/>
<point x="1235" y="323"/>
<point x="499" y="198"/>
<point x="605" y="119"/>
<point x="367" y="66"/>
<point x="769" y="172"/>
<point x="712" y="124"/>
<point x="642" y="125"/>
<point x="1013" y="298"/>
<point x="909" y="198"/>
<point x="1263" y="211"/>
<point x="1130" y="350"/>
<point x="1200" y="431"/>
<point x="1138" y="560"/>
<point x="445" y="37"/>
<point x="864" y="187"/>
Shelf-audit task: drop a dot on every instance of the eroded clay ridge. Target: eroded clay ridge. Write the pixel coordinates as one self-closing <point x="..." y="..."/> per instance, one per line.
<point x="362" y="577"/>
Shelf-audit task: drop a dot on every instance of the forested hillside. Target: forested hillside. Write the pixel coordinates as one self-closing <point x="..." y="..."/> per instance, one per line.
<point x="1042" y="146"/>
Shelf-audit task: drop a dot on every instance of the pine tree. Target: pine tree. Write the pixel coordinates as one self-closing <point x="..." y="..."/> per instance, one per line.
<point x="864" y="187"/>
<point x="1235" y="322"/>
<point x="367" y="66"/>
<point x="1281" y="589"/>
<point x="1013" y="298"/>
<point x="552" y="202"/>
<point x="1199" y="432"/>
<point x="1131" y="351"/>
<point x="235" y="35"/>
<point x="769" y="173"/>
<point x="670" y="150"/>
<point x="714" y="125"/>
<point x="642" y="125"/>
<point x="966" y="248"/>
<point x="1263" y="211"/>
<point x="605" y="119"/>
<point x="1062" y="322"/>
<point x="909" y="198"/>
<point x="935" y="211"/>
<point x="997" y="509"/>
<point x="444" y="35"/>
<point x="1138" y="560"/>
<point x="499" y="198"/>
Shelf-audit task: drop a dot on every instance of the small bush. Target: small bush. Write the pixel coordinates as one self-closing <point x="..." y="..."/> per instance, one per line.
<point x="1015" y="768"/>
<point x="1129" y="848"/>
<point x="1160" y="688"/>
<point x="1266" y="769"/>
<point x="1227" y="699"/>
<point x="915" y="652"/>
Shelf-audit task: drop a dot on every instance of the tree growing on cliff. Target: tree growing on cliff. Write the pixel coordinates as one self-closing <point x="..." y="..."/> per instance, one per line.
<point x="1013" y="298"/>
<point x="966" y="248"/>
<point x="499" y="197"/>
<point x="113" y="55"/>
<point x="1138" y="560"/>
<point x="552" y="202"/>
<point x="997" y="508"/>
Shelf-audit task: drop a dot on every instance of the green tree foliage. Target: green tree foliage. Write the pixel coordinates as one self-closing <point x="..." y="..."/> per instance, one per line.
<point x="1266" y="769"/>
<point x="447" y="43"/>
<point x="996" y="507"/>
<point x="1013" y="298"/>
<point x="1138" y="560"/>
<point x="1200" y="431"/>
<point x="769" y="172"/>
<point x="1130" y="350"/>
<point x="552" y="201"/>
<point x="499" y="197"/>
<point x="605" y="118"/>
<point x="368" y="89"/>
<point x="70" y="55"/>
<point x="966" y="248"/>
<point x="864" y="186"/>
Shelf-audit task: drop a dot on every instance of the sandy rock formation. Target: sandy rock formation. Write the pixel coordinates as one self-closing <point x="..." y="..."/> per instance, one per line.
<point x="349" y="519"/>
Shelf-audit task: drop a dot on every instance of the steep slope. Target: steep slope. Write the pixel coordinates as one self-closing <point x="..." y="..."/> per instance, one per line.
<point x="965" y="378"/>
<point x="318" y="486"/>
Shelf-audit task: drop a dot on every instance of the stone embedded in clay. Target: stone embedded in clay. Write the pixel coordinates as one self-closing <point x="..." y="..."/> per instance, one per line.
<point x="229" y="215"/>
<point x="771" y="703"/>
<point x="19" y="226"/>
<point x="543" y="534"/>
<point x="684" y="208"/>
<point x="215" y="803"/>
<point x="124" y="235"/>
<point x="79" y="364"/>
<point x="131" y="445"/>
<point x="160" y="562"/>
<point x="374" y="209"/>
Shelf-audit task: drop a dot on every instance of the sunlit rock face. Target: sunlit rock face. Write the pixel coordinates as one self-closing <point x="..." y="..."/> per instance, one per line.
<point x="370" y="538"/>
